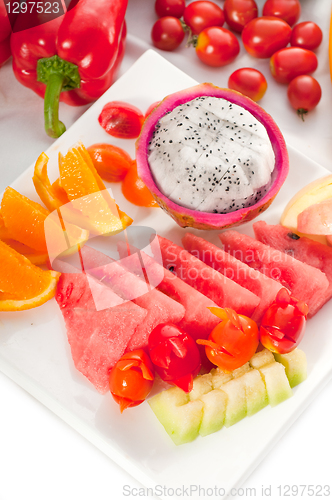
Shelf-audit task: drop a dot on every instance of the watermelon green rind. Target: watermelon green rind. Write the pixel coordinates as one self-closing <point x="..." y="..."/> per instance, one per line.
<point x="202" y="220"/>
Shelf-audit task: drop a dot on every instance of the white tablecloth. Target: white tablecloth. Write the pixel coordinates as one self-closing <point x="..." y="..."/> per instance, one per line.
<point x="40" y="456"/>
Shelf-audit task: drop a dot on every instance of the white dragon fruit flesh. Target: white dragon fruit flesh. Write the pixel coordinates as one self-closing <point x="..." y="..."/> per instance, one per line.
<point x="211" y="157"/>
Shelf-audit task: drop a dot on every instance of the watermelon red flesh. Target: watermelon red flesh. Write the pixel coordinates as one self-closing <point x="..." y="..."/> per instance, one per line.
<point x="304" y="249"/>
<point x="97" y="338"/>
<point x="159" y="307"/>
<point x="304" y="282"/>
<point x="198" y="321"/>
<point x="221" y="290"/>
<point x="259" y="284"/>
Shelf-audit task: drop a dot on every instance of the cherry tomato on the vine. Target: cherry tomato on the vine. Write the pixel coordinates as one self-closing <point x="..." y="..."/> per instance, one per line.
<point x="283" y="324"/>
<point x="131" y="379"/>
<point x="203" y="14"/>
<point x="121" y="120"/>
<point x="217" y="46"/>
<point x="288" y="10"/>
<point x="238" y="13"/>
<point x="307" y="35"/>
<point x="167" y="33"/>
<point x="290" y="62"/>
<point x="135" y="191"/>
<point x="265" y="35"/>
<point x="304" y="93"/>
<point x="174" y="8"/>
<point x="112" y="163"/>
<point x="175" y="355"/>
<point x="248" y="81"/>
<point x="233" y="342"/>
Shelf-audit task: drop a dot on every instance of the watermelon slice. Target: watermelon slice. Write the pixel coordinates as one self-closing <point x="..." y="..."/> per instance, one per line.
<point x="259" y="284"/>
<point x="198" y="321"/>
<point x="97" y="338"/>
<point x="160" y="308"/>
<point x="221" y="290"/>
<point x="304" y="281"/>
<point x="304" y="249"/>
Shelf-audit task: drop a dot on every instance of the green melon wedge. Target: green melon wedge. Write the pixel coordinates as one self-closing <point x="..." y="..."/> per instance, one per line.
<point x="276" y="382"/>
<point x="180" y="417"/>
<point x="256" y="393"/>
<point x="295" y="364"/>
<point x="201" y="385"/>
<point x="236" y="408"/>
<point x="215" y="403"/>
<point x="261" y="358"/>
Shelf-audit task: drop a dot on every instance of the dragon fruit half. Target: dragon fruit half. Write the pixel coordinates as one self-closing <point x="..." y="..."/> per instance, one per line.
<point x="211" y="157"/>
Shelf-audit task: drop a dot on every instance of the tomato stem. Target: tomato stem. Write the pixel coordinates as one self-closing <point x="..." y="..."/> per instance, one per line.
<point x="301" y="112"/>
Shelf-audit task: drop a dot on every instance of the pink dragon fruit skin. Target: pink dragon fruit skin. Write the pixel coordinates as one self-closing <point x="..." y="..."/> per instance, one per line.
<point x="202" y="220"/>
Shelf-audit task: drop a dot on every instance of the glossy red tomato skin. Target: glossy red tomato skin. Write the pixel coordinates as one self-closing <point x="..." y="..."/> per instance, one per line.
<point x="203" y="14"/>
<point x="304" y="93"/>
<point x="238" y="13"/>
<point x="282" y="329"/>
<point x="217" y="46"/>
<point x="288" y="10"/>
<point x="121" y="119"/>
<point x="288" y="63"/>
<point x="232" y="346"/>
<point x="175" y="355"/>
<point x="174" y="8"/>
<point x="307" y="35"/>
<point x="263" y="36"/>
<point x="248" y="81"/>
<point x="167" y="33"/>
<point x="130" y="385"/>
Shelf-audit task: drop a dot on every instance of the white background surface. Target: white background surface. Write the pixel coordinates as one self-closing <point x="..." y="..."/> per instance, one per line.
<point x="40" y="456"/>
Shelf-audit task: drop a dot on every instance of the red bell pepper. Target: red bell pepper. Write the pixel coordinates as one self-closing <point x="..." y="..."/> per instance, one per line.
<point x="5" y="31"/>
<point x="72" y="58"/>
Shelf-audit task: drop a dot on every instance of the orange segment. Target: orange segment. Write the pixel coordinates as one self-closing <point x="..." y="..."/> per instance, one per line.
<point x="83" y="186"/>
<point x="37" y="258"/>
<point x="52" y="195"/>
<point x="22" y="284"/>
<point x="24" y="219"/>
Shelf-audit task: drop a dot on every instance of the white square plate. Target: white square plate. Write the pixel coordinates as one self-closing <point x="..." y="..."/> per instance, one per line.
<point x="35" y="353"/>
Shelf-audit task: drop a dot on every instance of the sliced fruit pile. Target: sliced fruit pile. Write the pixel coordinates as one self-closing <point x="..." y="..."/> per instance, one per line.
<point x="222" y="399"/>
<point x="31" y="234"/>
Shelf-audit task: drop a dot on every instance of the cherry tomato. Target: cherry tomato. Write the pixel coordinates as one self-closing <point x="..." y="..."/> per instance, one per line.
<point x="290" y="62"/>
<point x="248" y="81"/>
<point x="175" y="355"/>
<point x="203" y="14"/>
<point x="151" y="108"/>
<point x="131" y="379"/>
<point x="238" y="13"/>
<point x="121" y="120"/>
<point x="233" y="342"/>
<point x="134" y="189"/>
<point x="283" y="325"/>
<point x="217" y="46"/>
<point x="174" y="8"/>
<point x="167" y="33"/>
<point x="112" y="163"/>
<point x="307" y="35"/>
<point x="304" y="94"/>
<point x="265" y="35"/>
<point x="288" y="10"/>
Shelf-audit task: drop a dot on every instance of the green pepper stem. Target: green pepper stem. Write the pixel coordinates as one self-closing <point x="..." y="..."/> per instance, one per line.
<point x="53" y="126"/>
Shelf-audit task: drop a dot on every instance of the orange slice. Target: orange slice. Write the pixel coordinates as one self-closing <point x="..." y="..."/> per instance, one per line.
<point x="52" y="195"/>
<point x="88" y="194"/>
<point x="22" y="284"/>
<point x="24" y="219"/>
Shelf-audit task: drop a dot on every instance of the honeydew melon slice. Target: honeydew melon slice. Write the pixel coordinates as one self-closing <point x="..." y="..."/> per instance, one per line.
<point x="236" y="408"/>
<point x="219" y="378"/>
<point x="215" y="403"/>
<point x="276" y="382"/>
<point x="241" y="370"/>
<point x="201" y="385"/>
<point x="261" y="358"/>
<point x="180" y="417"/>
<point x="256" y="394"/>
<point x="295" y="364"/>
